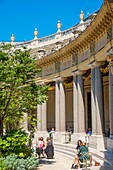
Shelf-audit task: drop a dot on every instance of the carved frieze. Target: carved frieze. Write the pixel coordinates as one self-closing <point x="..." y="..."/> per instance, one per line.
<point x="57" y="66"/>
<point x="83" y="56"/>
<point x="66" y="64"/>
<point x="75" y="59"/>
<point x="47" y="70"/>
<point x="40" y="74"/>
<point x="101" y="43"/>
<point x="92" y="49"/>
<point x="109" y="34"/>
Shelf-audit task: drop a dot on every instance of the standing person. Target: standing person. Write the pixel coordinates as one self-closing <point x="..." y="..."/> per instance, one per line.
<point x="49" y="151"/>
<point x="40" y="146"/>
<point x="51" y="133"/>
<point x="89" y="132"/>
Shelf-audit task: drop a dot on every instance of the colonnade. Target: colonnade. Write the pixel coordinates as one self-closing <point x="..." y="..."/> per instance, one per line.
<point x="97" y="104"/>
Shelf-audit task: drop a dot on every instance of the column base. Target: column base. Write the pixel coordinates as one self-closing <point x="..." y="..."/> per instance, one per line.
<point x="77" y="136"/>
<point x="110" y="145"/>
<point x="111" y="137"/>
<point x="59" y="137"/>
<point x="43" y="134"/>
<point x="97" y="142"/>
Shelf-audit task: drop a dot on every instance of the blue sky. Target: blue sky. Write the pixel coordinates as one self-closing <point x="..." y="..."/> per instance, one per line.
<point x="21" y="17"/>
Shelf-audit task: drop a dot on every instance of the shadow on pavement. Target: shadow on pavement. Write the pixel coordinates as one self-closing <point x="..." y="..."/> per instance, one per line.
<point x="46" y="162"/>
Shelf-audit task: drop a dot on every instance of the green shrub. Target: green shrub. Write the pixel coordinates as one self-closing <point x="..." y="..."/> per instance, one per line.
<point x="15" y="142"/>
<point x="12" y="162"/>
<point x="2" y="165"/>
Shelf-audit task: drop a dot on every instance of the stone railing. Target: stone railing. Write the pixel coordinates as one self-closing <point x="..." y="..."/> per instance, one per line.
<point x="72" y="32"/>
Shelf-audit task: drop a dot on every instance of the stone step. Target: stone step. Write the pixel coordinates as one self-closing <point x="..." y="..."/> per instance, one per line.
<point x="71" y="155"/>
<point x="69" y="150"/>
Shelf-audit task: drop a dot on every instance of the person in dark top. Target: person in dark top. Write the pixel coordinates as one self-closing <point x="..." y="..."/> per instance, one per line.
<point x="75" y="164"/>
<point x="79" y="142"/>
<point x="49" y="151"/>
<point x="83" y="154"/>
<point x="89" y="132"/>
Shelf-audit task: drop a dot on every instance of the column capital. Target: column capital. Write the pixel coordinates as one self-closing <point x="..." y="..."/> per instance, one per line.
<point x="57" y="78"/>
<point x="111" y="66"/>
<point x="110" y="55"/>
<point x="74" y="73"/>
<point x="110" y="59"/>
<point x="91" y="65"/>
<point x="78" y="72"/>
<point x="98" y="63"/>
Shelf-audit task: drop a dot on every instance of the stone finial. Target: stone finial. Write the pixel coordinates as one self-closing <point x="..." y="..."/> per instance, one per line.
<point x="12" y="38"/>
<point x="35" y="33"/>
<point x="81" y="16"/>
<point x="59" y="25"/>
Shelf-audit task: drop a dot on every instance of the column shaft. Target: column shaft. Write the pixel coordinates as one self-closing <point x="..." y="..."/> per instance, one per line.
<point x="75" y="104"/>
<point x="111" y="101"/>
<point x="57" y="106"/>
<point x="99" y="101"/>
<point x="93" y="111"/>
<point x="81" y="109"/>
<point x="44" y="117"/>
<point x="62" y="107"/>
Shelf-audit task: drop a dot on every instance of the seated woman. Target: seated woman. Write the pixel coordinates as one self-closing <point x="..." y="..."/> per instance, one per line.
<point x="76" y="164"/>
<point x="49" y="151"/>
<point x="83" y="155"/>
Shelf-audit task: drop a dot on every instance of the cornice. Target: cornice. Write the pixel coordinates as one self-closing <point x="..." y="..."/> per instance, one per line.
<point x="93" y="32"/>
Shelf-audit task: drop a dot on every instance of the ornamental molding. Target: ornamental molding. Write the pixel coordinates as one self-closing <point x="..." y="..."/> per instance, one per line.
<point x="109" y="34"/>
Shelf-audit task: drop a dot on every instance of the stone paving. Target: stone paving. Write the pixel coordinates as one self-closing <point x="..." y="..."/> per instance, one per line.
<point x="58" y="163"/>
<point x="61" y="162"/>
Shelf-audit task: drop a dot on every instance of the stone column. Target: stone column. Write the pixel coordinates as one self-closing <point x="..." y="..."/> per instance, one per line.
<point x="62" y="107"/>
<point x="75" y="103"/>
<point x="44" y="117"/>
<point x="81" y="109"/>
<point x="93" y="110"/>
<point x="39" y="117"/>
<point x="111" y="98"/>
<point x="99" y="99"/>
<point x="57" y="106"/>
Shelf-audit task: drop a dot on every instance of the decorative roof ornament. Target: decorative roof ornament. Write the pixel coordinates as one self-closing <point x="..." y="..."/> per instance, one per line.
<point x="59" y="25"/>
<point x="81" y="16"/>
<point x="12" y="39"/>
<point x="35" y="33"/>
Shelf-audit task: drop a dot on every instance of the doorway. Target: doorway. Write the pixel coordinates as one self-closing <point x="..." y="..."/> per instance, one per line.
<point x="89" y="115"/>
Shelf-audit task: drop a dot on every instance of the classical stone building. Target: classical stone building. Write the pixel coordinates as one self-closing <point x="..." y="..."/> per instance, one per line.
<point x="78" y="65"/>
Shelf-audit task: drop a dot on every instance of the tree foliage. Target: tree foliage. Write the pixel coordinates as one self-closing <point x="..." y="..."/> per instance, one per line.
<point x="19" y="92"/>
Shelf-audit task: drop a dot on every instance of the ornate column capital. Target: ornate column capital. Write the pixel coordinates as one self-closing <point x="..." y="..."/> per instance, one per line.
<point x="91" y="65"/>
<point x="110" y="55"/>
<point x="74" y="73"/>
<point x="78" y="72"/>
<point x="111" y="66"/>
<point x="110" y="59"/>
<point x="57" y="79"/>
<point x="98" y="63"/>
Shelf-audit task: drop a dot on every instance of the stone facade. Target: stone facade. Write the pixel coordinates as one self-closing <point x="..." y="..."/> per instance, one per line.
<point x="82" y="96"/>
<point x="78" y="63"/>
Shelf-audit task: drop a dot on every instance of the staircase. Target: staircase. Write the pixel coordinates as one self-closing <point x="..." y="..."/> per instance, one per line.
<point x="68" y="150"/>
